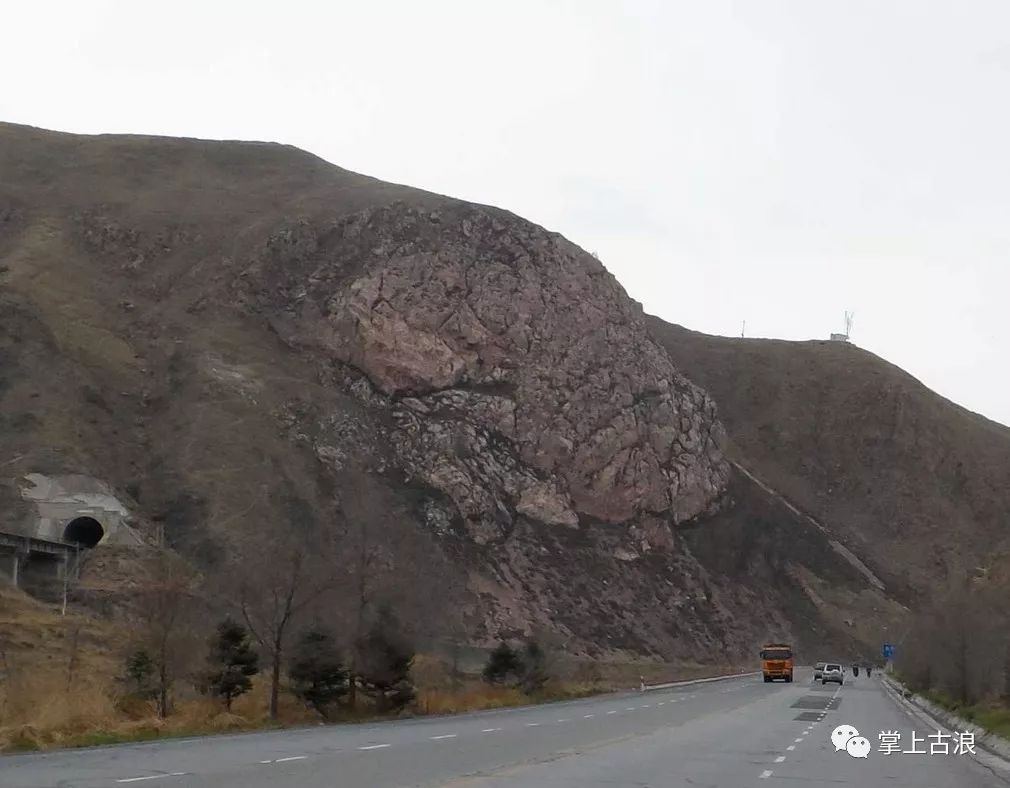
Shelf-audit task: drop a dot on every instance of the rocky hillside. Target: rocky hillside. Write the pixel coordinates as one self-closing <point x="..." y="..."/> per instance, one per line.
<point x="239" y="338"/>
<point x="917" y="486"/>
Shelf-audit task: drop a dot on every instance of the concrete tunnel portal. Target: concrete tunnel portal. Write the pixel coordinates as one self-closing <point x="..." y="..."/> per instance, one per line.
<point x="84" y="531"/>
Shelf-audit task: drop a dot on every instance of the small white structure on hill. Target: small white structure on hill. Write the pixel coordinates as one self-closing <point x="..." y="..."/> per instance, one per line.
<point x="848" y="329"/>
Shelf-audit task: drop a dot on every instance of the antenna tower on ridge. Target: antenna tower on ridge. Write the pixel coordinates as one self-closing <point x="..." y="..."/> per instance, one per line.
<point x="849" y="317"/>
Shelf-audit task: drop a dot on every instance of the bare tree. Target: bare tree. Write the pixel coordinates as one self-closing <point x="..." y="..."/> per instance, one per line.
<point x="163" y="604"/>
<point x="955" y="646"/>
<point x="384" y="560"/>
<point x="366" y="560"/>
<point x="274" y="592"/>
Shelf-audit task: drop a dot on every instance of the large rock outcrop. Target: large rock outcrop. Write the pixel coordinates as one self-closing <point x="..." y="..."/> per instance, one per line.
<point x="521" y="375"/>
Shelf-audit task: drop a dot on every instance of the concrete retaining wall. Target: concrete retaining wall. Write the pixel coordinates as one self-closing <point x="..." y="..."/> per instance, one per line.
<point x="59" y="500"/>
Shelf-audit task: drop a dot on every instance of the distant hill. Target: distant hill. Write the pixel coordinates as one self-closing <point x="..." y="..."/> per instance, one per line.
<point x="916" y="485"/>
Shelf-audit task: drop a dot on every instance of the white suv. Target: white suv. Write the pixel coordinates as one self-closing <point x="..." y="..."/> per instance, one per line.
<point x="832" y="672"/>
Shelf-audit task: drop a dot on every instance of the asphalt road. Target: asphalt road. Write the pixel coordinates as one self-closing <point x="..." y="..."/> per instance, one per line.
<point x="729" y="734"/>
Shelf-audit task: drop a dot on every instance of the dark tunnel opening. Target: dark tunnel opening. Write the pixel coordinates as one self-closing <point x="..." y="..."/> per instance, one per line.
<point x="85" y="531"/>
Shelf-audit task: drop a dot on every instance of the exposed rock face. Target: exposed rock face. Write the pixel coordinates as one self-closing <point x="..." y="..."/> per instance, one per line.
<point x="523" y="378"/>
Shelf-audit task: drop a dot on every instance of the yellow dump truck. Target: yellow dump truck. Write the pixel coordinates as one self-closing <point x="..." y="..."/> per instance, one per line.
<point x="777" y="662"/>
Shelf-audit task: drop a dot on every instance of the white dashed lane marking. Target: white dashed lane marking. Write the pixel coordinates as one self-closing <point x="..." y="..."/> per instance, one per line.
<point x="612" y="712"/>
<point x="150" y="777"/>
<point x="780" y="759"/>
<point x="588" y="716"/>
<point x="791" y="747"/>
<point x="490" y="730"/>
<point x="443" y="736"/>
<point x="532" y="724"/>
<point x="766" y="774"/>
<point x="375" y="747"/>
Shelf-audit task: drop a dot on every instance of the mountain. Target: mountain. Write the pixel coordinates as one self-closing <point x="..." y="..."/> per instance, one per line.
<point x="246" y="344"/>
<point x="915" y="485"/>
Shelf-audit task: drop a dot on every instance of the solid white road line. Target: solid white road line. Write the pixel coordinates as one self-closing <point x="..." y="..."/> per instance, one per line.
<point x="443" y="736"/>
<point x="375" y="747"/>
<point x="150" y="777"/>
<point x="766" y="774"/>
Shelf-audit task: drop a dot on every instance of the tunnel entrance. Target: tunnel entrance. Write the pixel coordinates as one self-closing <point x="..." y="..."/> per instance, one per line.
<point x="85" y="531"/>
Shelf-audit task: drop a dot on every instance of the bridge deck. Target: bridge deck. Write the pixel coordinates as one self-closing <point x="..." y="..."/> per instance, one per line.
<point x="33" y="545"/>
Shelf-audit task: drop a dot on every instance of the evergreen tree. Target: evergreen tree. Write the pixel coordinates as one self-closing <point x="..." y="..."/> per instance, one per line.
<point x="140" y="675"/>
<point x="503" y="664"/>
<point x="386" y="659"/>
<point x="232" y="661"/>
<point x="317" y="674"/>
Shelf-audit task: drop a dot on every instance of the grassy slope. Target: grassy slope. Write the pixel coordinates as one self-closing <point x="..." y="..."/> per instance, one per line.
<point x="129" y="356"/>
<point x="917" y="486"/>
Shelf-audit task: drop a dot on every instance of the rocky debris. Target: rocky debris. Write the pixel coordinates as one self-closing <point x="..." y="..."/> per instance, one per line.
<point x="542" y="501"/>
<point x="132" y="249"/>
<point x="335" y="437"/>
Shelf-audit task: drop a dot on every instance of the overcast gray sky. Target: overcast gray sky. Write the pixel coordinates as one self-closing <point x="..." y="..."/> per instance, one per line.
<point x="777" y="162"/>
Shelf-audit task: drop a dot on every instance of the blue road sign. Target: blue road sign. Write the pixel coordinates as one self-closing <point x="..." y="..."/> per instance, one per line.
<point x="887" y="650"/>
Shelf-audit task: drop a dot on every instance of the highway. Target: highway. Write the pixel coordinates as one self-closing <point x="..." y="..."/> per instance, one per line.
<point x="727" y="734"/>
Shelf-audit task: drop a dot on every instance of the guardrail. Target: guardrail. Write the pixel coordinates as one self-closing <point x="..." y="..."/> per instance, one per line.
<point x="671" y="684"/>
<point x="995" y="744"/>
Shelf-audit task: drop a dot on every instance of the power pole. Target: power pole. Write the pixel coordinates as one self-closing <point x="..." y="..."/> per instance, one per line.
<point x="66" y="574"/>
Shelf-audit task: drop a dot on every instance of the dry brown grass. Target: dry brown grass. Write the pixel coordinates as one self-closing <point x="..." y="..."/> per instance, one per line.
<point x="43" y="714"/>
<point x="58" y="686"/>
